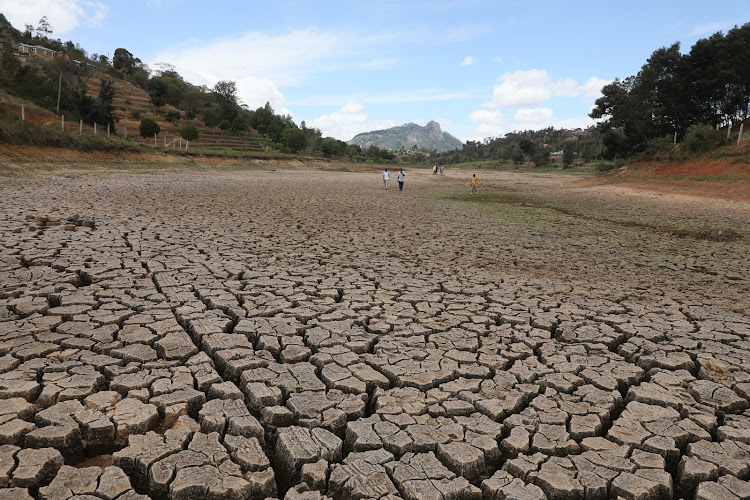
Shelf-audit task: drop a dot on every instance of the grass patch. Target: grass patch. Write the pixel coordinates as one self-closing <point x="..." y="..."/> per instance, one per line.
<point x="23" y="133"/>
<point x="501" y="166"/>
<point x="515" y="207"/>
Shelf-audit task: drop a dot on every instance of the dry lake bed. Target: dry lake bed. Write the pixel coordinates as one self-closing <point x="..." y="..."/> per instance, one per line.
<point x="308" y="335"/>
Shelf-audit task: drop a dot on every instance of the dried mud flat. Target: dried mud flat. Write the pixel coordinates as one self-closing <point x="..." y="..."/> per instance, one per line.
<point x="309" y="335"/>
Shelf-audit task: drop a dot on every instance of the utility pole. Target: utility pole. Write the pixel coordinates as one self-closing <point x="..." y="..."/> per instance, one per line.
<point x="59" y="90"/>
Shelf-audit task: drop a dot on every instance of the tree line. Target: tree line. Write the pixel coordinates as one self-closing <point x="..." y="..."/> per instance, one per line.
<point x="675" y="94"/>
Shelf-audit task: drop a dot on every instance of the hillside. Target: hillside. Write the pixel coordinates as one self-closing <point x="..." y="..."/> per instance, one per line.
<point x="428" y="138"/>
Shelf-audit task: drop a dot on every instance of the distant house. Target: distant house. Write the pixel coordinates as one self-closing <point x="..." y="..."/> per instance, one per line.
<point x="24" y="50"/>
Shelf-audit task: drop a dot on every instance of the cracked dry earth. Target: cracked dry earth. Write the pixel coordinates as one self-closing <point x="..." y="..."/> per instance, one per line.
<point x="309" y="335"/>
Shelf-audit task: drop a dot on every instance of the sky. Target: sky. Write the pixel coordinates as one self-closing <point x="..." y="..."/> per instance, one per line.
<point x="480" y="68"/>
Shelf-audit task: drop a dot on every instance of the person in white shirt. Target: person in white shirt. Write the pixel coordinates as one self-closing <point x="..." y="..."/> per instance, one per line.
<point x="386" y="176"/>
<point x="400" y="178"/>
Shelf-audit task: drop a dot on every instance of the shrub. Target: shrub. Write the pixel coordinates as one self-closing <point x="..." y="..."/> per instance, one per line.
<point x="660" y="147"/>
<point x="136" y="114"/>
<point x="702" y="138"/>
<point x="189" y="132"/>
<point x="149" y="127"/>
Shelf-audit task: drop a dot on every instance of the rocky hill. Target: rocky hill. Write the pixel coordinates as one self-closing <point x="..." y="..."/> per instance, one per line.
<point x="407" y="136"/>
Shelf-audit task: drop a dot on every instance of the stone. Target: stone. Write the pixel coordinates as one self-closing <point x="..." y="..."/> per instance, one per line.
<point x="131" y="416"/>
<point x="36" y="467"/>
<point x="70" y="481"/>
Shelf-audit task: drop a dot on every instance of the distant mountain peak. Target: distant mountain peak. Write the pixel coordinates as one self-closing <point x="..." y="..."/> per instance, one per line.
<point x="429" y="137"/>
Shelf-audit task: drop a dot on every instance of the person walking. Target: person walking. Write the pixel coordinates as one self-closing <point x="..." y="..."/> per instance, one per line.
<point x="400" y="178"/>
<point x="474" y="184"/>
<point x="442" y="169"/>
<point x="386" y="177"/>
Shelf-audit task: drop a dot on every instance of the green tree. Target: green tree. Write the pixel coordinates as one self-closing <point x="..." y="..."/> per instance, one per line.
<point x="189" y="132"/>
<point x="540" y="157"/>
<point x="43" y="29"/>
<point x="211" y="118"/>
<point x="123" y="60"/>
<point x="331" y="147"/>
<point x="226" y="94"/>
<point x="569" y="154"/>
<point x="294" y="139"/>
<point x="516" y="155"/>
<point x="527" y="147"/>
<point x="102" y="109"/>
<point x="148" y="127"/>
<point x="626" y="118"/>
<point x="262" y="119"/>
<point x="239" y="124"/>
<point x="157" y="91"/>
<point x="173" y="116"/>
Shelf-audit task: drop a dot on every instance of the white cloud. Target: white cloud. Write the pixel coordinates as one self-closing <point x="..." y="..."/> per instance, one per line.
<point x="285" y="59"/>
<point x="468" y="61"/>
<point x="567" y="87"/>
<point x="534" y="117"/>
<point x="63" y="15"/>
<point x="263" y="63"/>
<point x="256" y="92"/>
<point x="348" y="121"/>
<point x="521" y="88"/>
<point x="489" y="123"/>
<point x="593" y="87"/>
<point x="533" y="87"/>
<point x="497" y="59"/>
<point x="487" y="116"/>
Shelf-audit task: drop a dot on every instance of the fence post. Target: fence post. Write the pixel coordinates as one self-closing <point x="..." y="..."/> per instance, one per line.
<point x="729" y="130"/>
<point x="23" y="113"/>
<point x="94" y="128"/>
<point x="739" y="137"/>
<point x="80" y="127"/>
<point x="187" y="144"/>
<point x="63" y="123"/>
<point x="155" y="140"/>
<point x="108" y="130"/>
<point x="675" y="138"/>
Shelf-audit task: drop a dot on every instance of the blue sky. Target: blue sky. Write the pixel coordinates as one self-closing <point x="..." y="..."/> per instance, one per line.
<point x="480" y="68"/>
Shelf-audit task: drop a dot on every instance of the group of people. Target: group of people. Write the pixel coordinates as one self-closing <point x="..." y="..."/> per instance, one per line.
<point x="438" y="168"/>
<point x="402" y="176"/>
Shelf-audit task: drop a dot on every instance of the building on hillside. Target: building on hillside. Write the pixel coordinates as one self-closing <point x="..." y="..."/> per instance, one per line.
<point x="24" y="51"/>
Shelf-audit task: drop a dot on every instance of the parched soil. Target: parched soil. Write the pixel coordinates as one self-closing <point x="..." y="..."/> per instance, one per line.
<point x="229" y="332"/>
<point x="723" y="178"/>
